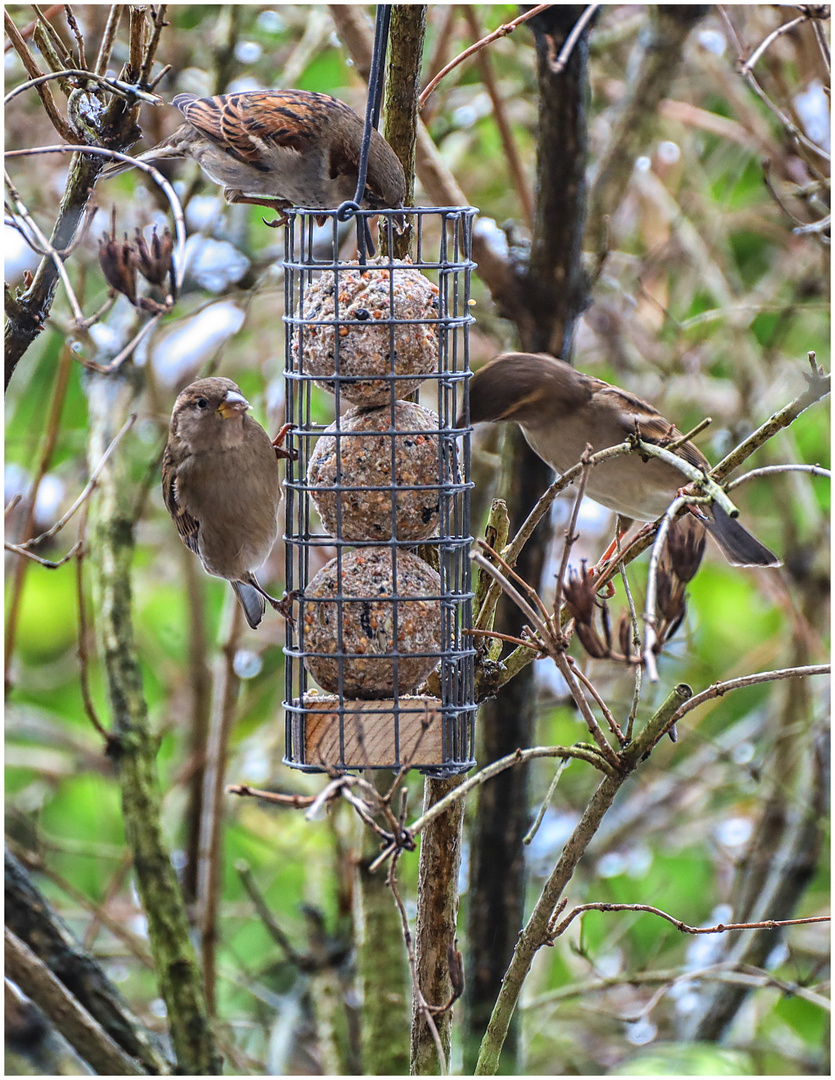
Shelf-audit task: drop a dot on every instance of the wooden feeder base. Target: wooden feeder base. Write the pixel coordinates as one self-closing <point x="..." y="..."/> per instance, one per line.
<point x="369" y="732"/>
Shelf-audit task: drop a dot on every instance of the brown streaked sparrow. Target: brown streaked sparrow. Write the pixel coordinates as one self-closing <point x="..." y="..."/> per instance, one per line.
<point x="220" y="485"/>
<point x="281" y="148"/>
<point x="560" y="410"/>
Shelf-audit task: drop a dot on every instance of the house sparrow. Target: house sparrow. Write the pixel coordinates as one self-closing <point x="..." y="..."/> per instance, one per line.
<point x="220" y="485"/>
<point x="281" y="148"/>
<point x="560" y="410"/>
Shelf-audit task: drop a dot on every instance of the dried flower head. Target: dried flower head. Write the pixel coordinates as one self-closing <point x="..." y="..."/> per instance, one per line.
<point x="590" y="641"/>
<point x="156" y="263"/>
<point x="118" y="264"/>
<point x="685" y="546"/>
<point x="579" y="595"/>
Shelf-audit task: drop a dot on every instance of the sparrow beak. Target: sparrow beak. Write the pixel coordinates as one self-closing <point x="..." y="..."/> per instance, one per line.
<point x="232" y="405"/>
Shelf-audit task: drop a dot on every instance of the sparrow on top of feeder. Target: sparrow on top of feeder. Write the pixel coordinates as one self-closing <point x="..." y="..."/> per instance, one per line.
<point x="281" y="148"/>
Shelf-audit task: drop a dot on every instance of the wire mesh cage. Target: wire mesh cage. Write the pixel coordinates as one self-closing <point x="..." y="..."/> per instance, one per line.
<point x="379" y="665"/>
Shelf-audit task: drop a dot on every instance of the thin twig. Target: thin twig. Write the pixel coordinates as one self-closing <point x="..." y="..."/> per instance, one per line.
<point x="581" y="753"/>
<point x="745" y="68"/>
<point x="29" y="29"/>
<point x="636" y="641"/>
<point x="46" y="246"/>
<point x="577" y="29"/>
<point x="267" y="917"/>
<point x="513" y="593"/>
<point x="59" y="394"/>
<point x="697" y="430"/>
<point x="818" y="388"/>
<point x="108" y="40"/>
<point x="502" y="31"/>
<point x="224" y="701"/>
<point x="423" y="1006"/>
<point x="511" y="573"/>
<point x="511" y="151"/>
<point x="650" y="613"/>
<point x="719" y="928"/>
<point x="571" y="536"/>
<point x="511" y="552"/>
<point x="59" y="50"/>
<point x="118" y="86"/>
<point x="278" y="798"/>
<point x="568" y="674"/>
<point x="695" y="475"/>
<point x="69" y="15"/>
<point x="787" y="122"/>
<point x="546" y="802"/>
<point x="81" y="650"/>
<point x="722" y="688"/>
<point x="18" y="549"/>
<point x="823" y="44"/>
<point x="614" y="727"/>
<point x="770" y="470"/>
<point x="725" y="971"/>
<point x="88" y="489"/>
<point x="151" y="50"/>
<point x="509" y="638"/>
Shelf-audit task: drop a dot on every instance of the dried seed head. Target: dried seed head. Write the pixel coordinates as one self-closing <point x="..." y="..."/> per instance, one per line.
<point x="670" y="596"/>
<point x="590" y="641"/>
<point x="118" y="264"/>
<point x="625" y="635"/>
<point x="579" y="595"/>
<point x="685" y="547"/>
<point x="156" y="264"/>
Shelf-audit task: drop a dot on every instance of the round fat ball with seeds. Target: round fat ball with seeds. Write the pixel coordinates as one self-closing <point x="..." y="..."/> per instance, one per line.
<point x="358" y="351"/>
<point x="368" y="589"/>
<point x="355" y="456"/>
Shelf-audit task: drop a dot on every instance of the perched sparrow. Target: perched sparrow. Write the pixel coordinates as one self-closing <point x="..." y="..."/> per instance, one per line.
<point x="220" y="485"/>
<point x="281" y="148"/>
<point x="560" y="410"/>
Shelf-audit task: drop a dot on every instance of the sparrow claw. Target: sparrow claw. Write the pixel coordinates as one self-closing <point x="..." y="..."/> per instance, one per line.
<point x="279" y="221"/>
<point x="278" y="444"/>
<point x="285" y="604"/>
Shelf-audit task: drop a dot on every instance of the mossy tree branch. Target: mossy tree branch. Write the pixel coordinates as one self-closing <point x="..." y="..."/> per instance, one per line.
<point x="135" y="747"/>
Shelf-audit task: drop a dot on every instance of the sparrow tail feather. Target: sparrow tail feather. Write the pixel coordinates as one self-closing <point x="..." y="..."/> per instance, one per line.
<point x="740" y="547"/>
<point x="252" y="602"/>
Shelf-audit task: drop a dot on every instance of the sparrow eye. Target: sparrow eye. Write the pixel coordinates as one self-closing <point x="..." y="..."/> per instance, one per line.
<point x="202" y="403"/>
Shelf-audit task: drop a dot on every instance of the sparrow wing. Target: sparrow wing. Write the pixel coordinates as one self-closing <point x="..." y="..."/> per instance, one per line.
<point x="652" y="426"/>
<point x="187" y="526"/>
<point x="242" y="123"/>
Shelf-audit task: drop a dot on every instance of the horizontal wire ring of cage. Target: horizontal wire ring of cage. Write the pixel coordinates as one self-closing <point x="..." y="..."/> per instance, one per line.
<point x="377" y="364"/>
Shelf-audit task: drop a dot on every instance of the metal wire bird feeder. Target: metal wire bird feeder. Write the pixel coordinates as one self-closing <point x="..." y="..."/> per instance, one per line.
<point x="381" y="498"/>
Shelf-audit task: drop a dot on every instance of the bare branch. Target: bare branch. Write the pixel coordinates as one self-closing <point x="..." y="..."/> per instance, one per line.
<point x="722" y="688"/>
<point x="502" y="31"/>
<point x="772" y="470"/>
<point x="108" y="40"/>
<point x="86" y="1036"/>
<point x="747" y="66"/>
<point x="719" y="928"/>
